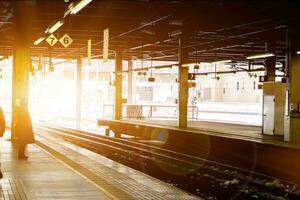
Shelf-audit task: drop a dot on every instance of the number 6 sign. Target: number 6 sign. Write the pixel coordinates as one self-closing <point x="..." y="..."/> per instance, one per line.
<point x="66" y="40"/>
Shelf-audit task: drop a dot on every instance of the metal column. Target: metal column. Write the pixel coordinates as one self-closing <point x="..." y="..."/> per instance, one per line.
<point x="21" y="59"/>
<point x="183" y="86"/>
<point x="129" y="83"/>
<point x="118" y="85"/>
<point x="292" y="124"/>
<point x="78" y="92"/>
<point x="270" y="62"/>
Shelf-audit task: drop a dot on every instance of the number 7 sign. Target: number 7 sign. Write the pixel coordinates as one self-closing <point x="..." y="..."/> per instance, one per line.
<point x="51" y="40"/>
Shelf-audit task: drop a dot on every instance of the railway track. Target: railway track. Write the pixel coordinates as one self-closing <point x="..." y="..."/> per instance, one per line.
<point x="207" y="179"/>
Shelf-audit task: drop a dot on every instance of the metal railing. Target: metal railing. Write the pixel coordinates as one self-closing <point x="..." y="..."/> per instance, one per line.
<point x="149" y="111"/>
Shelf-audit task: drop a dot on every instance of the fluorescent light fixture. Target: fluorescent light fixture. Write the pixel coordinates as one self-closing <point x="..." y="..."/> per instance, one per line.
<point x="187" y="64"/>
<point x="222" y="61"/>
<point x="38" y="41"/>
<point x="263" y="55"/>
<point x="192" y="64"/>
<point x="298" y="52"/>
<point x="77" y="7"/>
<point x="54" y="27"/>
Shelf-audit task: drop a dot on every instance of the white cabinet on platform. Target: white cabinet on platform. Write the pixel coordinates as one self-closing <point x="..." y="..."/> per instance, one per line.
<point x="274" y="108"/>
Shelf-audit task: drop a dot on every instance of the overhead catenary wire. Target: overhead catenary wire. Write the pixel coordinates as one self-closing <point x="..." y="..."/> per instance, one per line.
<point x="162" y="18"/>
<point x="147" y="24"/>
<point x="120" y="35"/>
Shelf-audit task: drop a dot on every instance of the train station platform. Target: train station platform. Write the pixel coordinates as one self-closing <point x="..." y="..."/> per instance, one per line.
<point x="235" y="131"/>
<point x="235" y="145"/>
<point x="225" y="129"/>
<point x="57" y="169"/>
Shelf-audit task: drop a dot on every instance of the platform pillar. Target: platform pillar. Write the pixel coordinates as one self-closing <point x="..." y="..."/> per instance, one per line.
<point x="129" y="82"/>
<point x="270" y="62"/>
<point x="21" y="59"/>
<point x="78" y="92"/>
<point x="118" y="86"/>
<point x="292" y="122"/>
<point x="183" y="86"/>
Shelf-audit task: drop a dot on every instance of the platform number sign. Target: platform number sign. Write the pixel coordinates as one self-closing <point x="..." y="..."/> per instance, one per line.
<point x="51" y="40"/>
<point x="66" y="40"/>
<point x="105" y="44"/>
<point x="191" y="77"/>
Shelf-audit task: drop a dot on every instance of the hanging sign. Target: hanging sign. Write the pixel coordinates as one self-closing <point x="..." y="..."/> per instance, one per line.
<point x="191" y="84"/>
<point x="105" y="44"/>
<point x="191" y="77"/>
<point x="51" y="40"/>
<point x="66" y="40"/>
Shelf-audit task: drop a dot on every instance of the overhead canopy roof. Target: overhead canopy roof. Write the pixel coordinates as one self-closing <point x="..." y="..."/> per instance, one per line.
<point x="213" y="30"/>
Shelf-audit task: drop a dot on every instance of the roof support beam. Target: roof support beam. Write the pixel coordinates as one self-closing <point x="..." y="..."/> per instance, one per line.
<point x="21" y="67"/>
<point x="183" y="86"/>
<point x="78" y="92"/>
<point x="293" y="63"/>
<point x="118" y="85"/>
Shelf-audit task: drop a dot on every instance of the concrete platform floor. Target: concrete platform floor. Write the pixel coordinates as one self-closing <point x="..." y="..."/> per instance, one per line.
<point x="41" y="177"/>
<point x="57" y="169"/>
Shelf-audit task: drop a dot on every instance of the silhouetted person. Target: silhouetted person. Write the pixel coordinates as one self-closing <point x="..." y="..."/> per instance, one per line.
<point x="23" y="131"/>
<point x="2" y="130"/>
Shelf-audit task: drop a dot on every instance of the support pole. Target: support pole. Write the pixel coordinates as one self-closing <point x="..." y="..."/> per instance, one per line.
<point x="129" y="83"/>
<point x="270" y="62"/>
<point x="118" y="85"/>
<point x="21" y="60"/>
<point x="183" y="86"/>
<point x="78" y="92"/>
<point x="292" y="123"/>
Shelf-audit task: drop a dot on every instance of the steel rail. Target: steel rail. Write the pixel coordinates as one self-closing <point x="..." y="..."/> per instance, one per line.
<point x="214" y="171"/>
<point x="138" y="146"/>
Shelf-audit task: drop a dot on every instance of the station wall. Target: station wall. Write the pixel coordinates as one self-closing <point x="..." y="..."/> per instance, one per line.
<point x="230" y="88"/>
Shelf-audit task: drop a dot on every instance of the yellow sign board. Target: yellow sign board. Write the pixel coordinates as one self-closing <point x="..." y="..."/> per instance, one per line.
<point x="51" y="40"/>
<point x="89" y="51"/>
<point x="191" y="84"/>
<point x="66" y="40"/>
<point x="105" y="44"/>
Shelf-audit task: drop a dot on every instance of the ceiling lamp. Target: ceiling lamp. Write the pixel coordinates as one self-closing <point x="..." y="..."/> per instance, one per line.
<point x="298" y="52"/>
<point x="222" y="61"/>
<point x="54" y="27"/>
<point x="38" y="41"/>
<point x="263" y="55"/>
<point x="77" y="7"/>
